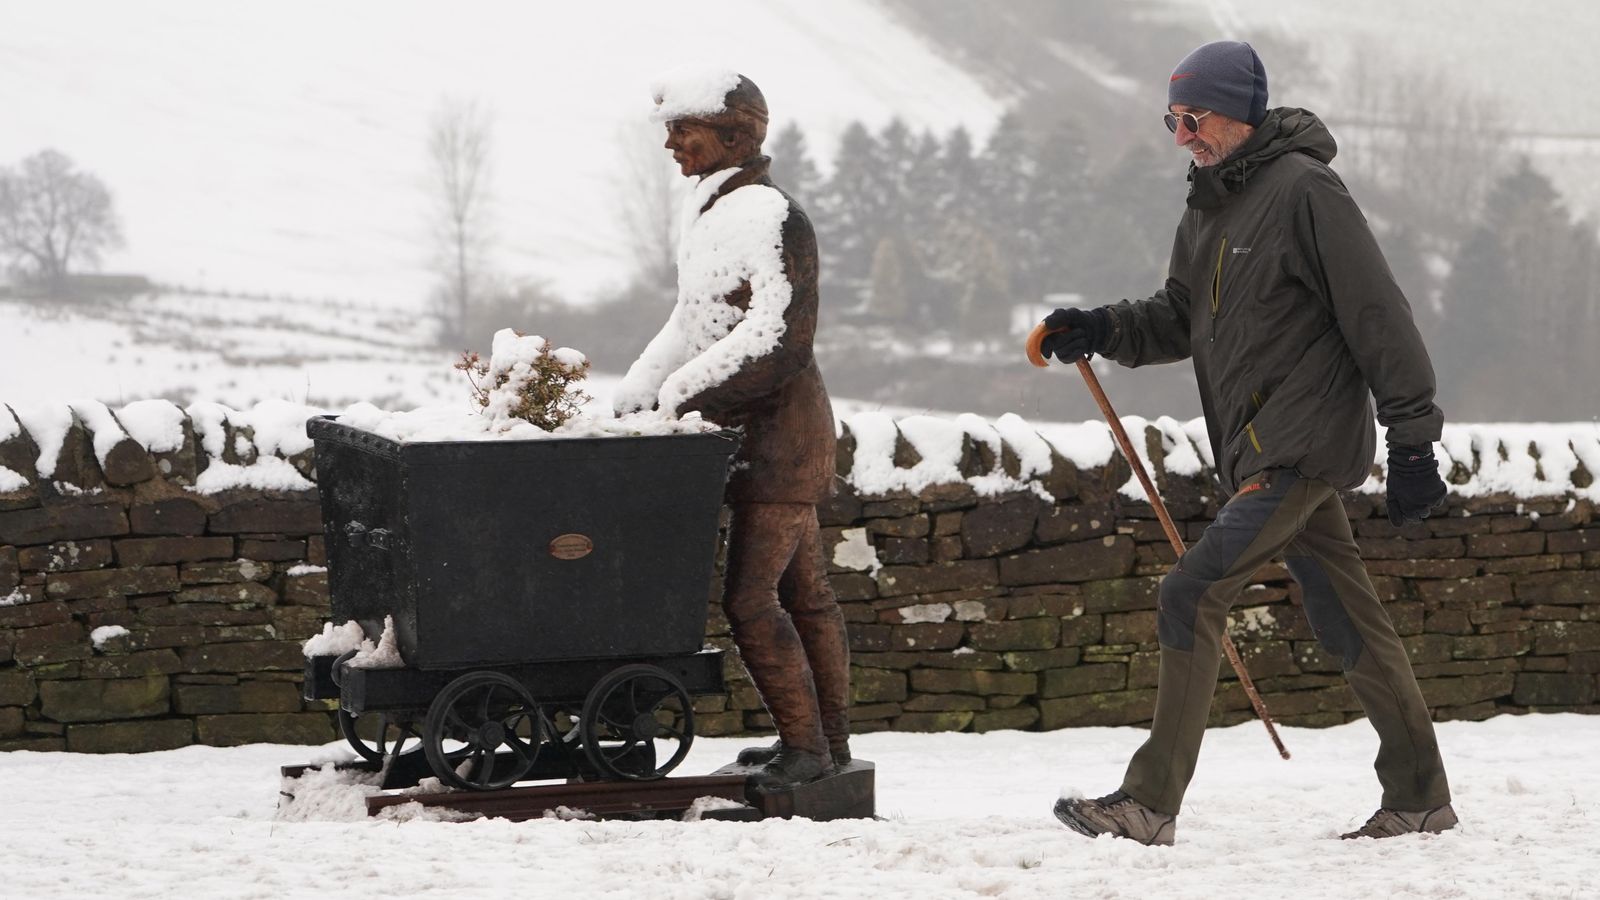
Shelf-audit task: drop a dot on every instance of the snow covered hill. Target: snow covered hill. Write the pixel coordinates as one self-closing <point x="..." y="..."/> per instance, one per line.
<point x="281" y="148"/>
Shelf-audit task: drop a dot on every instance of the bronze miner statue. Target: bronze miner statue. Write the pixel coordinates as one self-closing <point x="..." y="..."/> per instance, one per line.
<point x="737" y="350"/>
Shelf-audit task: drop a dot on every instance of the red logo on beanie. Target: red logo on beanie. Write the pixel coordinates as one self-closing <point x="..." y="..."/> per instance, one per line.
<point x="1183" y="75"/>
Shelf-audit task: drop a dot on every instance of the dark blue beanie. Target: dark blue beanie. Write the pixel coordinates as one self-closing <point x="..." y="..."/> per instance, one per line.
<point x="1226" y="76"/>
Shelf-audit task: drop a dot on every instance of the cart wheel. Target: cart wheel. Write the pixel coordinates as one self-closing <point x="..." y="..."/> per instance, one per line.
<point x="627" y="714"/>
<point x="482" y="711"/>
<point x="392" y="739"/>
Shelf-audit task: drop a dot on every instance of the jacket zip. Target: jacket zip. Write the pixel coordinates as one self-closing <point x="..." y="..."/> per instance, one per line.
<point x="1216" y="287"/>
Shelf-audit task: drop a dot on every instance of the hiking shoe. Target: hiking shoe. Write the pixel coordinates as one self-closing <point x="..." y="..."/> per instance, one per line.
<point x="760" y="756"/>
<point x="1120" y="815"/>
<point x="790" y="767"/>
<point x="1387" y="823"/>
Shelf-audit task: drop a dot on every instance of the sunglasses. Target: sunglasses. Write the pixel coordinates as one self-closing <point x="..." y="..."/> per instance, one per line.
<point x="1189" y="120"/>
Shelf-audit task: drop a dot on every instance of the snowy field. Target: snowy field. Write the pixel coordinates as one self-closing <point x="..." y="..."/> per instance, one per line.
<point x="962" y="815"/>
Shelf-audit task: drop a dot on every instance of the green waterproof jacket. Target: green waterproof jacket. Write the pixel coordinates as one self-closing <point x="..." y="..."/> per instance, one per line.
<point x="1279" y="292"/>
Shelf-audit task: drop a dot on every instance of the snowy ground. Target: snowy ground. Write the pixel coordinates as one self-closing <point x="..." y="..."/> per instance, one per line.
<point x="963" y="815"/>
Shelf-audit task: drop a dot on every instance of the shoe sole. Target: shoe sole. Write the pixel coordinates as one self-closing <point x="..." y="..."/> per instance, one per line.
<point x="1068" y="817"/>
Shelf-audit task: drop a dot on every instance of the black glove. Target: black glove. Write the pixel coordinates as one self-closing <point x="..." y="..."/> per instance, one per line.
<point x="1087" y="331"/>
<point x="1415" y="488"/>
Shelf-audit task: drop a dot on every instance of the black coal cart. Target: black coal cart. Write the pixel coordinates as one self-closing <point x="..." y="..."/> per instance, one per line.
<point x="548" y="599"/>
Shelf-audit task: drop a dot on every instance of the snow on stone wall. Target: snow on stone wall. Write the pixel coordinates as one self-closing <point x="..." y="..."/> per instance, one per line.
<point x="81" y="448"/>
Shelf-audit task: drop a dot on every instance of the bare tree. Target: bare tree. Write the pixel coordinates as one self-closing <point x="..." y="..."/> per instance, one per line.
<point x="650" y="193"/>
<point x="53" y="215"/>
<point x="459" y="150"/>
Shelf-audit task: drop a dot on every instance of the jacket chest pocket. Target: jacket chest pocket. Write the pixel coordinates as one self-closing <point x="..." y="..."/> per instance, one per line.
<point x="1231" y="277"/>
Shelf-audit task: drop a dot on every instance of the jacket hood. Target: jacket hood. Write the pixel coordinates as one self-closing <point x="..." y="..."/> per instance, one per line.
<point x="1285" y="130"/>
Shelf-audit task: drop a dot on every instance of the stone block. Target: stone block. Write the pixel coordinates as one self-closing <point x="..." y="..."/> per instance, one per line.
<point x="255" y="656"/>
<point x="1479" y="589"/>
<point x="1017" y="634"/>
<point x="130" y="737"/>
<point x="1423" y="568"/>
<point x="1492" y="646"/>
<point x="252" y="513"/>
<point x="17" y="687"/>
<point x="1005" y="719"/>
<point x="1083" y="679"/>
<point x="1447" y="621"/>
<point x="230" y="572"/>
<point x="310" y="589"/>
<point x="1429" y="648"/>
<point x="61" y="522"/>
<point x="1577" y="541"/>
<point x="1109" y="557"/>
<point x="62" y="642"/>
<point x="243" y="593"/>
<point x="933" y="721"/>
<point x="245" y="697"/>
<point x="926" y="636"/>
<point x="152" y="551"/>
<point x="1056" y="605"/>
<point x="34" y="613"/>
<point x="1529" y="543"/>
<point x="945" y="703"/>
<point x="132" y="665"/>
<point x="843" y="508"/>
<point x="111" y="583"/>
<point x="1395" y="548"/>
<point x="1519" y="565"/>
<point x="894" y="581"/>
<point x="1464" y="690"/>
<point x="264" y="728"/>
<point x="1120" y="708"/>
<point x="64" y="556"/>
<point x="904" y="526"/>
<point x="104" y="699"/>
<point x="1565" y="637"/>
<point x="1476" y="712"/>
<point x="1121" y="594"/>
<point x="991" y="529"/>
<point x="1130" y="627"/>
<point x="1539" y="689"/>
<point x="868" y="638"/>
<point x="36" y="743"/>
<point x="272" y="549"/>
<point x="1082" y="631"/>
<point x="718" y="724"/>
<point x="11" y="721"/>
<point x="202" y="614"/>
<point x="904" y="551"/>
<point x="1144" y="669"/>
<point x="850" y="587"/>
<point x="1074" y="522"/>
<point x="180" y="515"/>
<point x="1581" y="587"/>
<point x="1042" y="660"/>
<point x="867" y="712"/>
<point x="876" y="685"/>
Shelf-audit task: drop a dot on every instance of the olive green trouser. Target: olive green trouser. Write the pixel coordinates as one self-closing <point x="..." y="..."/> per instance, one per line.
<point x="1302" y="518"/>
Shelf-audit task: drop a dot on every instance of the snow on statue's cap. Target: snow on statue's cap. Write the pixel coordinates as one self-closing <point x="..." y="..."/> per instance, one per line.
<point x="699" y="92"/>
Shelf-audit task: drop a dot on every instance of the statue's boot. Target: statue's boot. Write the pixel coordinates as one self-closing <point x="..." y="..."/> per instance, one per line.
<point x="776" y="661"/>
<point x="808" y="596"/>
<point x="828" y="652"/>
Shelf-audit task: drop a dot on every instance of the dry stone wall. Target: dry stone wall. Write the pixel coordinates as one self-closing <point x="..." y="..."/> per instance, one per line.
<point x="137" y="613"/>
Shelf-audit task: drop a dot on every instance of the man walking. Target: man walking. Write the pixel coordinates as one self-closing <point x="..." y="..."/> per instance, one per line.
<point x="1280" y="295"/>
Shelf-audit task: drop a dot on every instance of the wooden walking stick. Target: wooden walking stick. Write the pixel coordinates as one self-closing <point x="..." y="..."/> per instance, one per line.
<point x="1035" y="338"/>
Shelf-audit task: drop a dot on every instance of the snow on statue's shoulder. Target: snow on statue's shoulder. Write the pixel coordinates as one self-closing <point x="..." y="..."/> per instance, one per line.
<point x="688" y="91"/>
